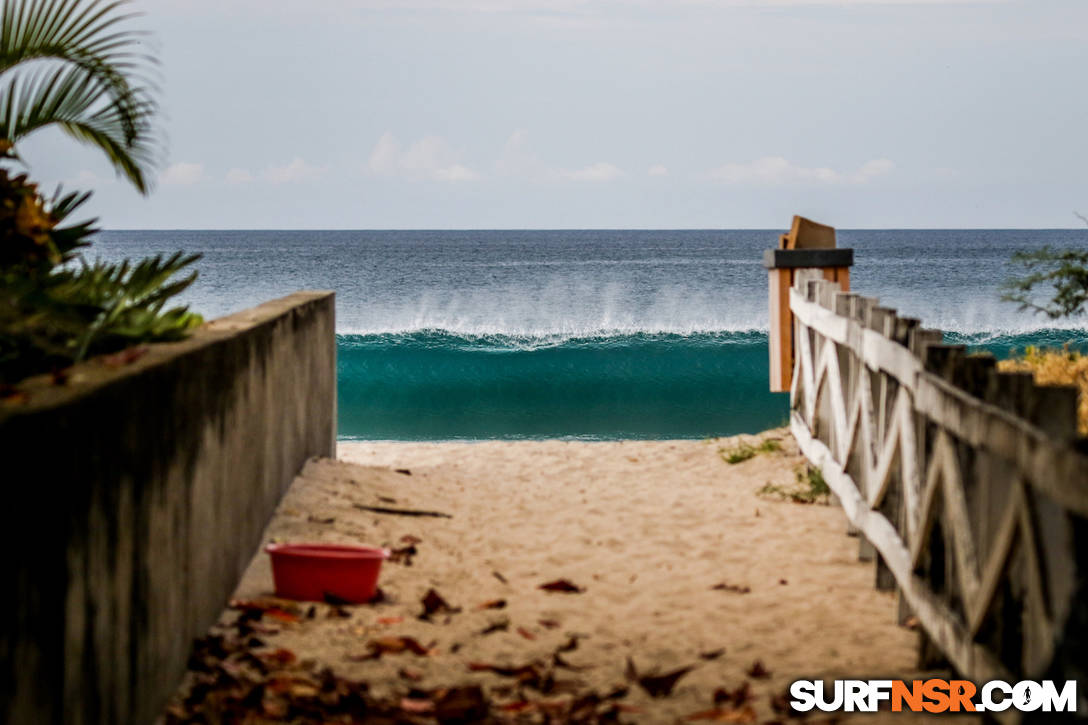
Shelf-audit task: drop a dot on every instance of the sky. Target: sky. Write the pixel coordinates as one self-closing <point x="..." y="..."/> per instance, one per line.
<point x="479" y="114"/>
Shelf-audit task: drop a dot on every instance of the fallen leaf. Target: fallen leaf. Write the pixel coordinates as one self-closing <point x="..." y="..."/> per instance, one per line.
<point x="526" y="633"/>
<point x="654" y="685"/>
<point x="391" y="646"/>
<point x="279" y="656"/>
<point x="434" y="603"/>
<point x="561" y="585"/>
<point x="570" y="645"/>
<point x="499" y="576"/>
<point x="526" y="674"/>
<point x="410" y="539"/>
<point x="461" y="704"/>
<point x="758" y="671"/>
<point x="282" y="611"/>
<point x="662" y="685"/>
<point x="403" y="471"/>
<point x="548" y="623"/>
<point x="734" y="588"/>
<point x="416" y="705"/>
<point x="558" y="661"/>
<point x="403" y="555"/>
<point x="388" y="621"/>
<point x="499" y="625"/>
<point x="493" y="604"/>
<point x="783" y="581"/>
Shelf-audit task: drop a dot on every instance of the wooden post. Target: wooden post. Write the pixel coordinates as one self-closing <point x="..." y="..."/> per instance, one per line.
<point x="808" y="246"/>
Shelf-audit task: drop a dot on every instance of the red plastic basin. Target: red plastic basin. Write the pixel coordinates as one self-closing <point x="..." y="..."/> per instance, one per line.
<point x="316" y="572"/>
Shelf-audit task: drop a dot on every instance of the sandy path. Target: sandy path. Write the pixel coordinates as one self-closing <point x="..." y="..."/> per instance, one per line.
<point x="647" y="528"/>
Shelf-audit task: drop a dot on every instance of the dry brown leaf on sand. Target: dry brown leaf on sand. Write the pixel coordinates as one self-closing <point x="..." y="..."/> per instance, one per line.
<point x="492" y="604"/>
<point x="435" y="603"/>
<point x="655" y="685"/>
<point x="758" y="671"/>
<point x="561" y="585"/>
<point x="390" y="646"/>
<point x="403" y="554"/>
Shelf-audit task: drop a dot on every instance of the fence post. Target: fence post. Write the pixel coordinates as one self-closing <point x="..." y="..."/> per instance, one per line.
<point x="807" y="246"/>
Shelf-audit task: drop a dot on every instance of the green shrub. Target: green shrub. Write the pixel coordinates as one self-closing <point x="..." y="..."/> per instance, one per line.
<point x="57" y="309"/>
<point x="743" y="451"/>
<point x="73" y="65"/>
<point x="810" y="487"/>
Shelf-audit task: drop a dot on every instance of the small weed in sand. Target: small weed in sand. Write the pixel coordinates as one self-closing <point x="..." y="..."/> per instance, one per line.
<point x="744" y="451"/>
<point x="810" y="488"/>
<point x="738" y="454"/>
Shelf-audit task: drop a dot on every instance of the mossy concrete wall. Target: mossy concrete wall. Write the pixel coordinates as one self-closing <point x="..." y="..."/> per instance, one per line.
<point x="135" y="495"/>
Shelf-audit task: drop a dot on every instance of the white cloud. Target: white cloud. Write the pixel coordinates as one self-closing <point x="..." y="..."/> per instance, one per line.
<point x="777" y="171"/>
<point x="239" y="176"/>
<point x="183" y="174"/>
<point x="296" y="170"/>
<point x="518" y="160"/>
<point x="457" y="172"/>
<point x="657" y="170"/>
<point x="431" y="157"/>
<point x="600" y="171"/>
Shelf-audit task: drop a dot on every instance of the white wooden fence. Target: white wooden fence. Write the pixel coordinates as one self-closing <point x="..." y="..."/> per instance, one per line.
<point x="970" y="484"/>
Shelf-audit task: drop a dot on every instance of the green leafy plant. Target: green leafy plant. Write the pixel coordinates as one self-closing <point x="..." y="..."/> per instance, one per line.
<point x="52" y="317"/>
<point x="71" y="64"/>
<point x="743" y="451"/>
<point x="1065" y="271"/>
<point x="810" y="487"/>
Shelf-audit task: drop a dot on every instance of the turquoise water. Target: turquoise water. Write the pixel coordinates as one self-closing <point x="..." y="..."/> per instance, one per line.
<point x="595" y="334"/>
<point x="438" y="386"/>
<point x="434" y="385"/>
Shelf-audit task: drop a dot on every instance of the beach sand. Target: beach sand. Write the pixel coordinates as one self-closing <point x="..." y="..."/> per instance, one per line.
<point x="683" y="562"/>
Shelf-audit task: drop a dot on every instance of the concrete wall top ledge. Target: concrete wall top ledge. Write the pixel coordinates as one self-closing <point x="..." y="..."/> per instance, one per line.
<point x="94" y="374"/>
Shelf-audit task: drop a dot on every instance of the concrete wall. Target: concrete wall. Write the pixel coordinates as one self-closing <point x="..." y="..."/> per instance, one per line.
<point x="134" y="497"/>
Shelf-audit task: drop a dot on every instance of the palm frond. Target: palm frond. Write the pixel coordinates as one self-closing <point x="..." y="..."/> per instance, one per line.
<point x="97" y="56"/>
<point x="75" y="101"/>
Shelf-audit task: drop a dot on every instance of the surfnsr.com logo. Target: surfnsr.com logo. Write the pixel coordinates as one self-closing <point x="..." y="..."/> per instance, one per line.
<point x="933" y="696"/>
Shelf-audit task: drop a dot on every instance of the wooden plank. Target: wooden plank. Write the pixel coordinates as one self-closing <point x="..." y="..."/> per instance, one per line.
<point x="1058" y="470"/>
<point x="780" y="337"/>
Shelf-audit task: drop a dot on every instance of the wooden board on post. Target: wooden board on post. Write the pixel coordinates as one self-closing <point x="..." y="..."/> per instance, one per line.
<point x="808" y="246"/>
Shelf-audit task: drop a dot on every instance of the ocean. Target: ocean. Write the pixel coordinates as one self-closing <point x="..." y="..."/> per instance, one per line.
<point x="587" y="334"/>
